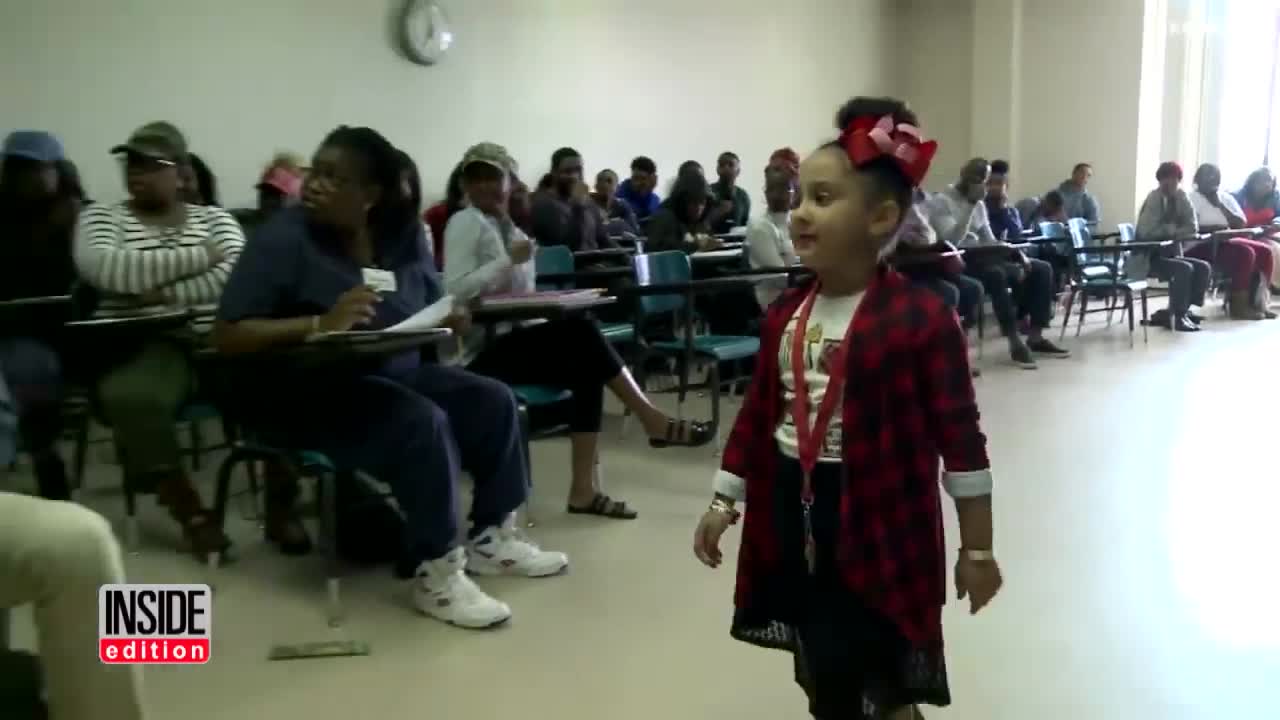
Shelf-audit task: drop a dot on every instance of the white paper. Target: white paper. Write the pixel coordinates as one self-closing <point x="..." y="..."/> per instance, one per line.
<point x="428" y="318"/>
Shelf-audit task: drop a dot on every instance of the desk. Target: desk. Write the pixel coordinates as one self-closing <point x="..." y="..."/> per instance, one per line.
<point x="36" y="315"/>
<point x="707" y="285"/>
<point x="916" y="259"/>
<point x="599" y="277"/>
<point x="132" y="327"/>
<point x="586" y="256"/>
<point x="536" y="311"/>
<point x="703" y="256"/>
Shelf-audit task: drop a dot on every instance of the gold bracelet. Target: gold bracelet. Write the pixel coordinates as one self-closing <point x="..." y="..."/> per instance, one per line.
<point x="978" y="555"/>
<point x="724" y="508"/>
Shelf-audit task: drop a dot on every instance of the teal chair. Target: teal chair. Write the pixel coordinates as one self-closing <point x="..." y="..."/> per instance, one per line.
<point x="558" y="260"/>
<point x="1093" y="275"/>
<point x="672" y="267"/>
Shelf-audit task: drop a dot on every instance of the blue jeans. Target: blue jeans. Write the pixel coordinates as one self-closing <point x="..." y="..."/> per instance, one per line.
<point x="33" y="372"/>
<point x="415" y="432"/>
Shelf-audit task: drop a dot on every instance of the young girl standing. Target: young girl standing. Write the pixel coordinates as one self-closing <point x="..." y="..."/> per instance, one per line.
<point x="862" y="385"/>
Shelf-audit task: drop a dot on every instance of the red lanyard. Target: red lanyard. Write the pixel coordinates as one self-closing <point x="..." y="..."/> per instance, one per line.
<point x="811" y="439"/>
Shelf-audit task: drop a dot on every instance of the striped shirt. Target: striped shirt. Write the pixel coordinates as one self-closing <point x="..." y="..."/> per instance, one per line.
<point x="144" y="269"/>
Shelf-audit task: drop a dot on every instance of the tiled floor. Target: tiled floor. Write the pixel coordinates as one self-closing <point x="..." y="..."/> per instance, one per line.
<point x="1137" y="502"/>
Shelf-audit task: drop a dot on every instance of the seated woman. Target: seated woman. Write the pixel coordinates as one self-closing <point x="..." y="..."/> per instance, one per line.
<point x="1261" y="205"/>
<point x="488" y="255"/>
<point x="678" y="223"/>
<point x="154" y="253"/>
<point x="1249" y="262"/>
<point x="412" y="425"/>
<point x="1167" y="214"/>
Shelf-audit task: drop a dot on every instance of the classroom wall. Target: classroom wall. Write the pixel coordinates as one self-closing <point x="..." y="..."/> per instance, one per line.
<point x="614" y="78"/>
<point x="1042" y="83"/>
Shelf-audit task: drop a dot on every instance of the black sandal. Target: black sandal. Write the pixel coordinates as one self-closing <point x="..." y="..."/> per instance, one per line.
<point x="604" y="506"/>
<point x="697" y="434"/>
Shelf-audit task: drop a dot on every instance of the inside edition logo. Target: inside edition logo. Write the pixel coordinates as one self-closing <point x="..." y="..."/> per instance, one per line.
<point x="154" y="624"/>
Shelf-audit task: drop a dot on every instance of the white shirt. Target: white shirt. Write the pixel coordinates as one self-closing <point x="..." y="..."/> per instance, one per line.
<point x="476" y="264"/>
<point x="769" y="246"/>
<point x="1211" y="216"/>
<point x="958" y="221"/>
<point x="828" y="322"/>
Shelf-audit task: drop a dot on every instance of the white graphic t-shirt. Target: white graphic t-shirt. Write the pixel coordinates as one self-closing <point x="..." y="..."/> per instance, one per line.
<point x="828" y="322"/>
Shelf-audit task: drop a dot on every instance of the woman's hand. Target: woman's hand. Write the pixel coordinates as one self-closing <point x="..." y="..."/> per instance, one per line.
<point x="706" y="539"/>
<point x="980" y="580"/>
<point x="354" y="307"/>
<point x="707" y="242"/>
<point x="459" y="321"/>
<point x="521" y="251"/>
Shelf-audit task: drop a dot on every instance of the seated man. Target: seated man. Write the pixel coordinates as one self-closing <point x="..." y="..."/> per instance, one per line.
<point x="1078" y="201"/>
<point x="1167" y="214"/>
<point x="56" y="555"/>
<point x="39" y="204"/>
<point x="1016" y="284"/>
<point x="730" y="204"/>
<point x="768" y="242"/>
<point x="617" y="216"/>
<point x="1006" y="221"/>
<point x="637" y="191"/>
<point x="564" y="215"/>
<point x="947" y="278"/>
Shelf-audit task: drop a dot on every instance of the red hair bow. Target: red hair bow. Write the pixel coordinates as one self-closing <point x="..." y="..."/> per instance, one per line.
<point x="867" y="138"/>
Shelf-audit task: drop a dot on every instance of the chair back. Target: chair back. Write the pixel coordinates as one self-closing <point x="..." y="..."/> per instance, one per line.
<point x="660" y="268"/>
<point x="1027" y="208"/>
<point x="1054" y="230"/>
<point x="1131" y="265"/>
<point x="553" y="260"/>
<point x="1082" y="237"/>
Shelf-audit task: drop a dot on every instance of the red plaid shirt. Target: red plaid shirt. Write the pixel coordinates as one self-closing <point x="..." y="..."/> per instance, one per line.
<point x="908" y="400"/>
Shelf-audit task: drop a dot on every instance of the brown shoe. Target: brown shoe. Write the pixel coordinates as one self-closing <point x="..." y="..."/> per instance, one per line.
<point x="199" y="525"/>
<point x="1242" y="306"/>
<point x="282" y="525"/>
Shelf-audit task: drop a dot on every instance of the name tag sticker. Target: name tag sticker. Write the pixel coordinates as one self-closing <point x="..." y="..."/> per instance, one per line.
<point x="383" y="281"/>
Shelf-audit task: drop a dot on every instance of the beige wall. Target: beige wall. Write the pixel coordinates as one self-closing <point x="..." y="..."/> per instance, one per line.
<point x="1042" y="83"/>
<point x="669" y="78"/>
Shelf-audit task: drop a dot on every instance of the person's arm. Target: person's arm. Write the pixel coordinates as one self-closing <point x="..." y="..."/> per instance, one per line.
<point x="524" y="277"/>
<point x="1187" y="222"/>
<point x="982" y="225"/>
<point x="104" y="262"/>
<point x="762" y="247"/>
<point x="475" y="263"/>
<point x="1092" y="211"/>
<point x="1233" y="211"/>
<point x="1015" y="223"/>
<point x="260" y="284"/>
<point x="944" y="222"/>
<point x="952" y="423"/>
<point x="752" y="428"/>
<point x="744" y="210"/>
<point x="665" y="233"/>
<point x="1150" y="225"/>
<point x="546" y="224"/>
<point x="628" y="218"/>
<point x="205" y="288"/>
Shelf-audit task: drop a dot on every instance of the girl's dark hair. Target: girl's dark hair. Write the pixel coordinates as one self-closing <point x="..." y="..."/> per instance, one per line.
<point x="688" y="166"/>
<point x="561" y="155"/>
<point x="69" y="181"/>
<point x="689" y="188"/>
<point x="884" y="177"/>
<point x="381" y="168"/>
<point x="453" y="193"/>
<point x="1168" y="169"/>
<point x="410" y="168"/>
<point x="206" y="183"/>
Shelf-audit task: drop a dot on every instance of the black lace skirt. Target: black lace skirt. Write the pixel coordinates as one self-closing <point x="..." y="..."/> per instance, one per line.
<point x="851" y="661"/>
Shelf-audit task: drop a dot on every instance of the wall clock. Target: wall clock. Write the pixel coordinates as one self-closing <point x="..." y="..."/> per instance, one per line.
<point x="425" y="34"/>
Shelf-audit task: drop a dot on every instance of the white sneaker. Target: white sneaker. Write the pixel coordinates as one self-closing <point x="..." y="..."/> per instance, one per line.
<point x="504" y="551"/>
<point x="442" y="590"/>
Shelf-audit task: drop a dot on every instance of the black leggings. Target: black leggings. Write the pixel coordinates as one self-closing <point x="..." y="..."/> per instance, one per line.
<point x="568" y="353"/>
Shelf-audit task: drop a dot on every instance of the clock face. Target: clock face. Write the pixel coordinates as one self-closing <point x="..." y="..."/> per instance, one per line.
<point x="425" y="32"/>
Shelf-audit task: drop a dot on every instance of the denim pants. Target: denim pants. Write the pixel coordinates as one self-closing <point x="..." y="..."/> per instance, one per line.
<point x="1015" y="292"/>
<point x="415" y="432"/>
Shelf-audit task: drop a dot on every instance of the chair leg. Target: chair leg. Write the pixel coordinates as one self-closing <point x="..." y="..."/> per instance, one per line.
<point x="715" y="404"/>
<point x="1111" y="305"/>
<point x="1128" y="309"/>
<point x="1066" y="315"/>
<point x="1145" y="318"/>
<point x="982" y="322"/>
<point x="334" y="612"/>
<point x="523" y="412"/>
<point x="197" y="444"/>
<point x="1084" y="308"/>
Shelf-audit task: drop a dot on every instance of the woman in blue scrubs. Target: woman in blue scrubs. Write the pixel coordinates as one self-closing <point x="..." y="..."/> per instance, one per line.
<point x="412" y="425"/>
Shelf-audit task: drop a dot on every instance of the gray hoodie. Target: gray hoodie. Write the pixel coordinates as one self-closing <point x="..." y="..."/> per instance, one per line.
<point x="1079" y="203"/>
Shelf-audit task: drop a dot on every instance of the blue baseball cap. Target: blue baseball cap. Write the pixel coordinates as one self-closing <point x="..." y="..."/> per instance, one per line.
<point x="33" y="145"/>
